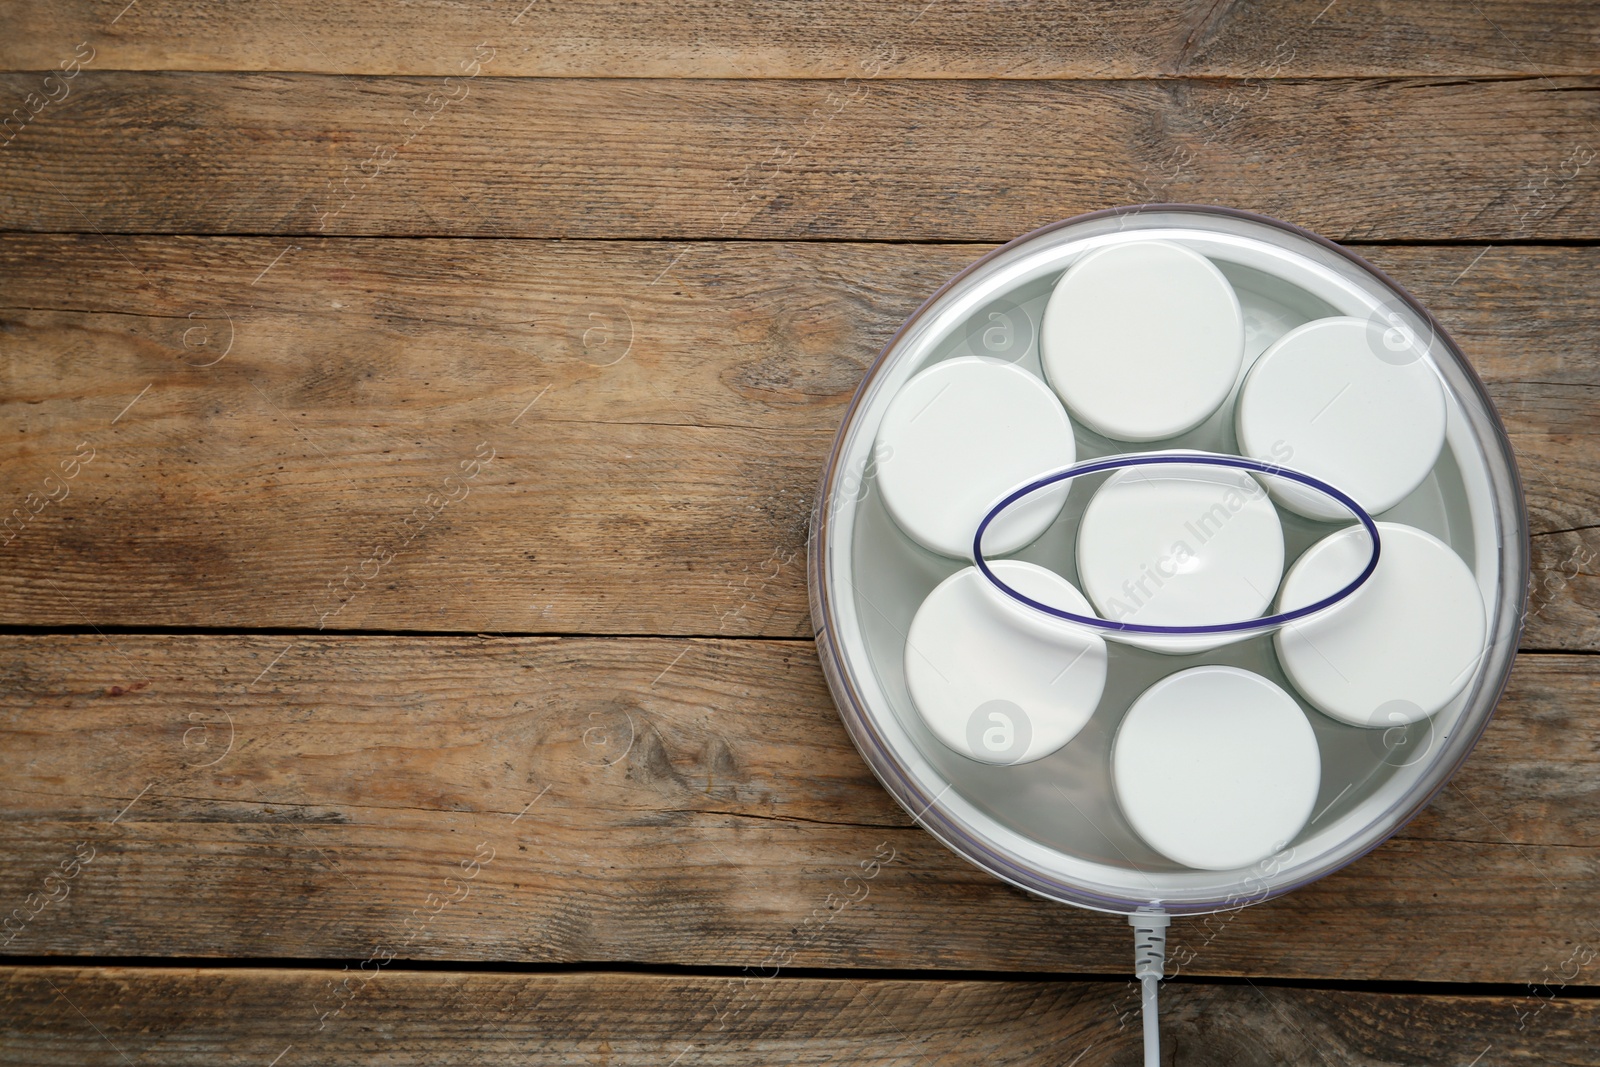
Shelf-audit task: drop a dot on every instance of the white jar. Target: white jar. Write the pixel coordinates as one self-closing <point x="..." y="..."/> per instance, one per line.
<point x="994" y="683"/>
<point x="1396" y="650"/>
<point x="1173" y="545"/>
<point x="1142" y="340"/>
<point x="1331" y="399"/>
<point x="956" y="437"/>
<point x="1216" y="767"/>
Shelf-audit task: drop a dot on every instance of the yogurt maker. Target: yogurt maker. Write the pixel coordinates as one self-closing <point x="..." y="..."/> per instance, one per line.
<point x="1027" y="364"/>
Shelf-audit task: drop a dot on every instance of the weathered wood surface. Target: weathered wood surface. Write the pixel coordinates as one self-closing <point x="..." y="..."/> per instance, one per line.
<point x="660" y="801"/>
<point x="788" y="39"/>
<point x="291" y="154"/>
<point x="291" y="431"/>
<point x="117" y="1015"/>
<point x="294" y="402"/>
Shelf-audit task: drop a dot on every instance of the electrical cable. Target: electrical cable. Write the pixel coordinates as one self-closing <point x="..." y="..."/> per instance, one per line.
<point x="1149" y="962"/>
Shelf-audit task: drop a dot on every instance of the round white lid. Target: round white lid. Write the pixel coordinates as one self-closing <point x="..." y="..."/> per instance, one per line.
<point x="957" y="436"/>
<point x="1330" y="398"/>
<point x="1216" y="767"/>
<point x="1142" y="341"/>
<point x="1400" y="647"/>
<point x="992" y="686"/>
<point x="1180" y="546"/>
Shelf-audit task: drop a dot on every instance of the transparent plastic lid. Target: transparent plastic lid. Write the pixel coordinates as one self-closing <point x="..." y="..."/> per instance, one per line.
<point x="1054" y="825"/>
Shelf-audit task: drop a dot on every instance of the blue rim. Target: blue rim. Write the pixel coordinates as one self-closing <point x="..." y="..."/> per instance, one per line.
<point x="1186" y="459"/>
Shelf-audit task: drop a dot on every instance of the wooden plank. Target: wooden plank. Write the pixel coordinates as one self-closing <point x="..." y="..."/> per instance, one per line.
<point x="949" y="39"/>
<point x="97" y="1015"/>
<point x="264" y="413"/>
<point x="893" y="159"/>
<point x="659" y="801"/>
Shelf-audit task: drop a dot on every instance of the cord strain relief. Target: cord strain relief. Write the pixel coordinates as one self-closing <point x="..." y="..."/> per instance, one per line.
<point x="1149" y="943"/>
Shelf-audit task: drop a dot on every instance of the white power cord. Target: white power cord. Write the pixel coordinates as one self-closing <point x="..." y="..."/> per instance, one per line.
<point x="1149" y="961"/>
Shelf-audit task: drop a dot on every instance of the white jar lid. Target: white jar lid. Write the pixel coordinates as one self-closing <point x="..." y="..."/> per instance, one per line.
<point x="997" y="687"/>
<point x="1142" y="341"/>
<point x="956" y="437"/>
<point x="1216" y="767"/>
<point x="1180" y="546"/>
<point x="1330" y="398"/>
<point x="1397" y="649"/>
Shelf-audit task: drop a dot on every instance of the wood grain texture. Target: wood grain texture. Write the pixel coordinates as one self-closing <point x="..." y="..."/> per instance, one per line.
<point x="294" y="403"/>
<point x="594" y="406"/>
<point x="97" y="1015"/>
<point x="789" y="39"/>
<point x="878" y="158"/>
<point x="660" y="801"/>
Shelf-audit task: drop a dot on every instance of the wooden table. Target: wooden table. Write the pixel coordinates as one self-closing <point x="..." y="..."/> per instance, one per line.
<point x="413" y="410"/>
